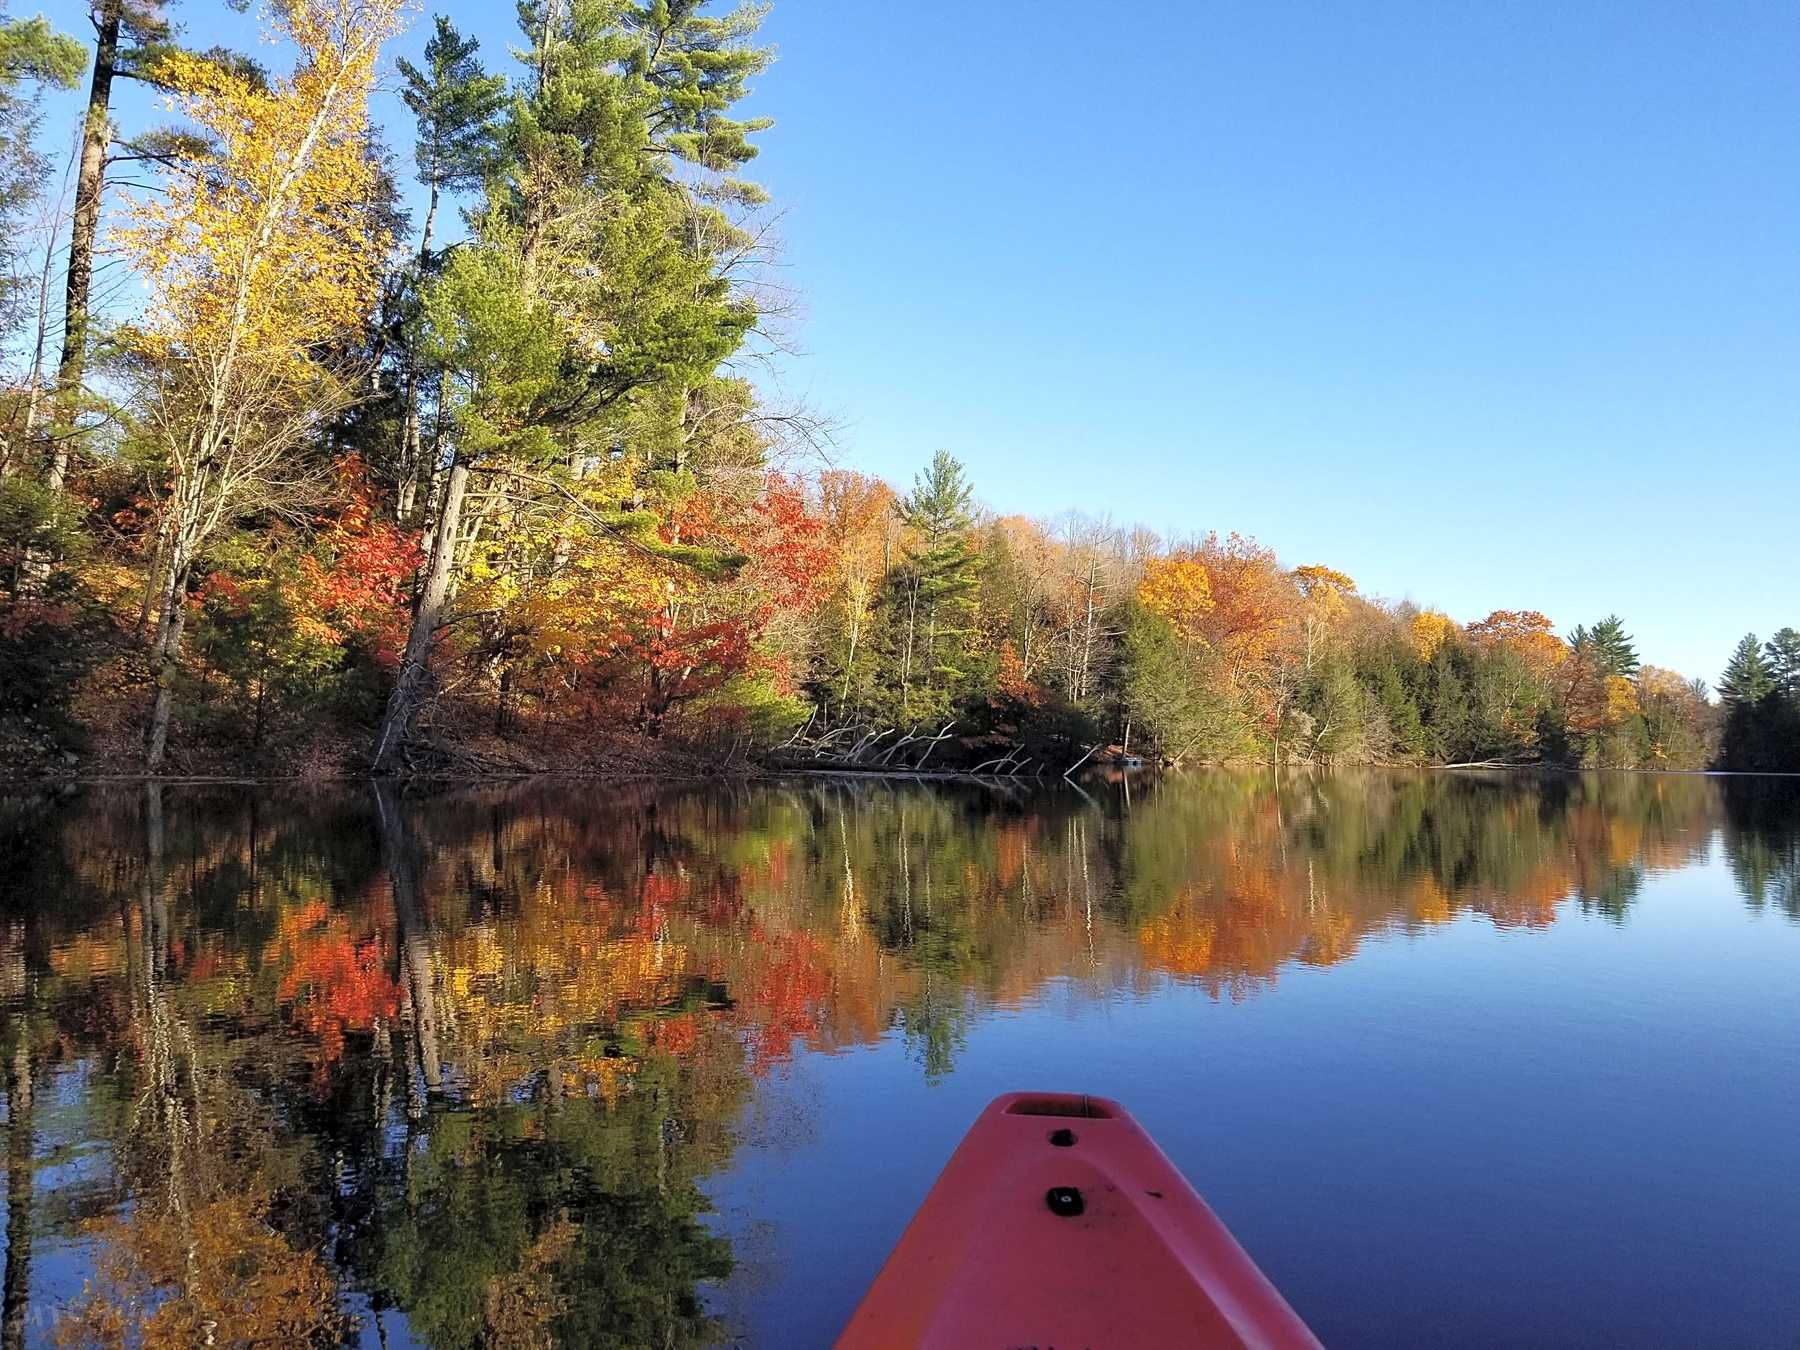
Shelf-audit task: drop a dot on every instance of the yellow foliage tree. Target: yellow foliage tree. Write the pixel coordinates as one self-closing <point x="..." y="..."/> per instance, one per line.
<point x="1621" y="699"/>
<point x="1316" y="581"/>
<point x="1178" y="589"/>
<point x="1428" y="631"/>
<point x="261" y="250"/>
<point x="860" y="525"/>
<point x="1323" y="594"/>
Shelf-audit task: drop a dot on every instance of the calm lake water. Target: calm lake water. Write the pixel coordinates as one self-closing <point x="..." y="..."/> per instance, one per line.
<point x="1463" y="1060"/>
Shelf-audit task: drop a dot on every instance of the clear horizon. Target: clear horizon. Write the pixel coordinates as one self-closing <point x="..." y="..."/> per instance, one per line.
<point x="1490" y="310"/>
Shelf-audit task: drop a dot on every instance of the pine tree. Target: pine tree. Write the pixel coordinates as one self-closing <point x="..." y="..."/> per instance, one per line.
<point x="1607" y="646"/>
<point x="455" y="102"/>
<point x="1782" y="653"/>
<point x="1446" y="707"/>
<point x="1762" y="726"/>
<point x="1398" y="708"/>
<point x="937" y="586"/>
<point x="600" y="230"/>
<point x="1172" y="692"/>
<point x="1747" y="677"/>
<point x="699" y="67"/>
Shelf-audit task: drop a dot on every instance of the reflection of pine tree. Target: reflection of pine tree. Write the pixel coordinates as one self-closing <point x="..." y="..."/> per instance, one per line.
<point x="934" y="1022"/>
<point x="1762" y="842"/>
<point x="1612" y="892"/>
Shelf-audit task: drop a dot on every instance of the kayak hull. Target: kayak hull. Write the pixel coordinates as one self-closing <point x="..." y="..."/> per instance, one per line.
<point x="1058" y="1222"/>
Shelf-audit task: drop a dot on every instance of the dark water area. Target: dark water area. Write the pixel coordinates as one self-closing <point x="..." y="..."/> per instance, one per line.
<point x="1462" y="1060"/>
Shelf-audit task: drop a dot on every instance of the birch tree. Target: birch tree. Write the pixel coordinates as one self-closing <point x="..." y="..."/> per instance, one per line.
<point x="260" y="252"/>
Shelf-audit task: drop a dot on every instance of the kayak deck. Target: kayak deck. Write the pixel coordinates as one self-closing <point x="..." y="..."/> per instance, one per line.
<point x="1059" y="1223"/>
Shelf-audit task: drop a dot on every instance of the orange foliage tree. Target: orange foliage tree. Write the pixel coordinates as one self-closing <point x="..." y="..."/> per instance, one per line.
<point x="1253" y="603"/>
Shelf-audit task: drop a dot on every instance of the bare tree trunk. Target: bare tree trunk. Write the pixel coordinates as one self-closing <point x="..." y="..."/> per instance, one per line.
<point x="409" y="687"/>
<point x="85" y="225"/>
<point x="912" y="613"/>
<point x="430" y="220"/>
<point x="171" y="621"/>
<point x="34" y="403"/>
<point x="431" y="480"/>
<point x="34" y="568"/>
<point x="152" y="586"/>
<point x="412" y="455"/>
<point x="165" y="661"/>
<point x="1088" y="626"/>
<point x="850" y="655"/>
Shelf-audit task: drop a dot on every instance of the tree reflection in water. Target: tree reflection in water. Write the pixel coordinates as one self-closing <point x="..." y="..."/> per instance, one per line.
<point x="459" y="1062"/>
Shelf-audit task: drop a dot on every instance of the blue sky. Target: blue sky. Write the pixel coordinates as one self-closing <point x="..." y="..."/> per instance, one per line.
<point x="1491" y="306"/>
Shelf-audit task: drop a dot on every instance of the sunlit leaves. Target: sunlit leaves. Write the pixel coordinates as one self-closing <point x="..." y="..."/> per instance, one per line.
<point x="1526" y="632"/>
<point x="262" y="242"/>
<point x="501" y="349"/>
<point x="1177" y="589"/>
<point x="1428" y="631"/>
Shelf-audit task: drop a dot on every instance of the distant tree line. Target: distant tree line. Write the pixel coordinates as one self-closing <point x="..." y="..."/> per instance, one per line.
<point x="1032" y="642"/>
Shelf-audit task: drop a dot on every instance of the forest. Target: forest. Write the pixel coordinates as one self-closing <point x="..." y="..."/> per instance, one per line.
<point x="495" y="487"/>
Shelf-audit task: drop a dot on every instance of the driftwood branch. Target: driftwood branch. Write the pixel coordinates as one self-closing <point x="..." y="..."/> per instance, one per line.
<point x="877" y="750"/>
<point x="1070" y="771"/>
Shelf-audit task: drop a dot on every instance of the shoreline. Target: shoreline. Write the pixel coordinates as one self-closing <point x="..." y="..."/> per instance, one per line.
<point x="769" y="775"/>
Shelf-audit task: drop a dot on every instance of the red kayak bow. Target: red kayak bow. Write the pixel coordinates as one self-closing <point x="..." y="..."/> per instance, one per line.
<point x="1058" y="1223"/>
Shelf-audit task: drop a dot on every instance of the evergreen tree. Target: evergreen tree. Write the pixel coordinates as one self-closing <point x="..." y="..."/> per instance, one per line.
<point x="593" y="234"/>
<point x="455" y="102"/>
<point x="1762" y="725"/>
<point x="1747" y="677"/>
<point x="132" y="40"/>
<point x="936" y="592"/>
<point x="1396" y="707"/>
<point x="1782" y="653"/>
<point x="1607" y="646"/>
<point x="1172" y="694"/>
<point x="699" y="66"/>
<point x="1446" y="706"/>
<point x="1341" y="711"/>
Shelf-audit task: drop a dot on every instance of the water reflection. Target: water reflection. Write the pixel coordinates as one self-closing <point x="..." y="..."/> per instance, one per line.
<point x="452" y="1068"/>
<point x="1762" y="842"/>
